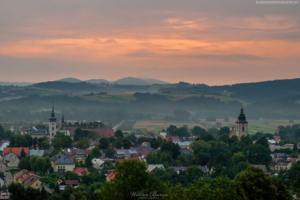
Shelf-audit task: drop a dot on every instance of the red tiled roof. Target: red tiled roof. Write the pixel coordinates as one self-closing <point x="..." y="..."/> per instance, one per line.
<point x="172" y="138"/>
<point x="71" y="182"/>
<point x="118" y="160"/>
<point x="21" y="174"/>
<point x="112" y="175"/>
<point x="293" y="160"/>
<point x="103" y="133"/>
<point x="29" y="183"/>
<point x="16" y="150"/>
<point x="80" y="170"/>
<point x="276" y="137"/>
<point x="25" y="178"/>
<point x="87" y="151"/>
<point x="133" y="157"/>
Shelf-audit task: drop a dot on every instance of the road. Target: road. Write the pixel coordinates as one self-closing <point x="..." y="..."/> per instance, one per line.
<point x="8" y="178"/>
<point x="117" y="126"/>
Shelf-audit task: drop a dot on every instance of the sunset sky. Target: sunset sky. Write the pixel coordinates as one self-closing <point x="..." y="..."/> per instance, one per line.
<point x="197" y="41"/>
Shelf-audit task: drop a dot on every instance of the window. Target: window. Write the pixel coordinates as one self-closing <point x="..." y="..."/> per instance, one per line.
<point x="243" y="129"/>
<point x="52" y="128"/>
<point x="64" y="167"/>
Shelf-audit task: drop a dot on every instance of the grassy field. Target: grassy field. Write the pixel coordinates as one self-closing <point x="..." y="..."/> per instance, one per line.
<point x="267" y="126"/>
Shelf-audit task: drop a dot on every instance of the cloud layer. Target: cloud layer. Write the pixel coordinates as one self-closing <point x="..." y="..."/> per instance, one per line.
<point x="209" y="42"/>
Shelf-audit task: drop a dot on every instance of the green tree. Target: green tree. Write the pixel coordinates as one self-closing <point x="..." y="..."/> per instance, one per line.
<point x="224" y="130"/>
<point x="182" y="132"/>
<point x="255" y="184"/>
<point x="263" y="141"/>
<point x="88" y="161"/>
<point x="44" y="194"/>
<point x="23" y="154"/>
<point x="194" y="173"/>
<point x="137" y="179"/>
<point x="33" y="163"/>
<point x="126" y="143"/>
<point x="40" y="163"/>
<point x="132" y="138"/>
<point x="109" y="153"/>
<point x="103" y="143"/>
<point x="24" y="164"/>
<point x="83" y="143"/>
<point x="95" y="153"/>
<point x="78" y="134"/>
<point x="45" y="145"/>
<point x="154" y="143"/>
<point x="71" y="176"/>
<point x="119" y="134"/>
<point x="206" y="137"/>
<point x="35" y="141"/>
<point x="197" y="130"/>
<point x="171" y="130"/>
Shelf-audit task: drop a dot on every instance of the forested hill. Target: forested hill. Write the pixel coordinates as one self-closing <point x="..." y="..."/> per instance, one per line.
<point x="262" y="90"/>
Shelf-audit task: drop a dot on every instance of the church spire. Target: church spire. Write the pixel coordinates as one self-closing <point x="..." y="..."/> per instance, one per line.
<point x="242" y="116"/>
<point x="242" y="109"/>
<point x="63" y="119"/>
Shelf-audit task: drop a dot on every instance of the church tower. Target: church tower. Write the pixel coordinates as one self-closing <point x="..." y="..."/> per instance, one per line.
<point x="241" y="125"/>
<point x="52" y="124"/>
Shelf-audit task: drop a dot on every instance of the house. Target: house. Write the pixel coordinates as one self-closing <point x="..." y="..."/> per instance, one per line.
<point x="4" y="195"/>
<point x="143" y="151"/>
<point x="185" y="144"/>
<point x="48" y="151"/>
<point x="263" y="167"/>
<point x="173" y="138"/>
<point x="14" y="164"/>
<point x="111" y="176"/>
<point x="81" y="171"/>
<point x="11" y="153"/>
<point x="218" y="125"/>
<point x="280" y="155"/>
<point x="2" y="179"/>
<point x="152" y="167"/>
<point x="3" y="144"/>
<point x="31" y="182"/>
<point x="39" y="133"/>
<point x="20" y="174"/>
<point x="145" y="144"/>
<point x="163" y="133"/>
<point x="178" y="169"/>
<point x="277" y="138"/>
<point x="293" y="160"/>
<point x="204" y="169"/>
<point x="291" y="146"/>
<point x="123" y="153"/>
<point x="62" y="184"/>
<point x="279" y="164"/>
<point x="186" y="151"/>
<point x="40" y="186"/>
<point x="100" y="132"/>
<point x="62" y="163"/>
<point x="98" y="163"/>
<point x="271" y="142"/>
<point x="36" y="152"/>
<point x="274" y="147"/>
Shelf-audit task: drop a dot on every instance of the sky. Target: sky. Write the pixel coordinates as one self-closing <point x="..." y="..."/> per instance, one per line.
<point x="197" y="41"/>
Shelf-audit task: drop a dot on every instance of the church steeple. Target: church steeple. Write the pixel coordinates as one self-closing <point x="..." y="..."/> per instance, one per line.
<point x="241" y="117"/>
<point x="52" y="118"/>
<point x="63" y="119"/>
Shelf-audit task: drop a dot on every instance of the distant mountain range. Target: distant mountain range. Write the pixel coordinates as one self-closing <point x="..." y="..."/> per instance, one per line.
<point x="122" y="81"/>
<point x="16" y="83"/>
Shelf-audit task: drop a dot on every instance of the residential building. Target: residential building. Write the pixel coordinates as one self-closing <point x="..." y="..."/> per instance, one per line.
<point x="145" y="144"/>
<point x="111" y="176"/>
<point x="185" y="144"/>
<point x="163" y="133"/>
<point x="173" y="138"/>
<point x="98" y="163"/>
<point x="277" y="138"/>
<point x="152" y="167"/>
<point x="123" y="153"/>
<point x="178" y="169"/>
<point x="3" y="144"/>
<point x="14" y="164"/>
<point x="62" y="163"/>
<point x="36" y="152"/>
<point x="81" y="171"/>
<point x="186" y="151"/>
<point x="62" y="184"/>
<point x="204" y="169"/>
<point x="279" y="164"/>
<point x="11" y="153"/>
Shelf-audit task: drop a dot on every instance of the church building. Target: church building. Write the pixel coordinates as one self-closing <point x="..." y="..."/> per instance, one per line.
<point x="63" y="127"/>
<point x="241" y="126"/>
<point x="52" y="124"/>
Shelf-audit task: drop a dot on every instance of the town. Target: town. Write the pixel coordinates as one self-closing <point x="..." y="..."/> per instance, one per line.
<point x="73" y="160"/>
